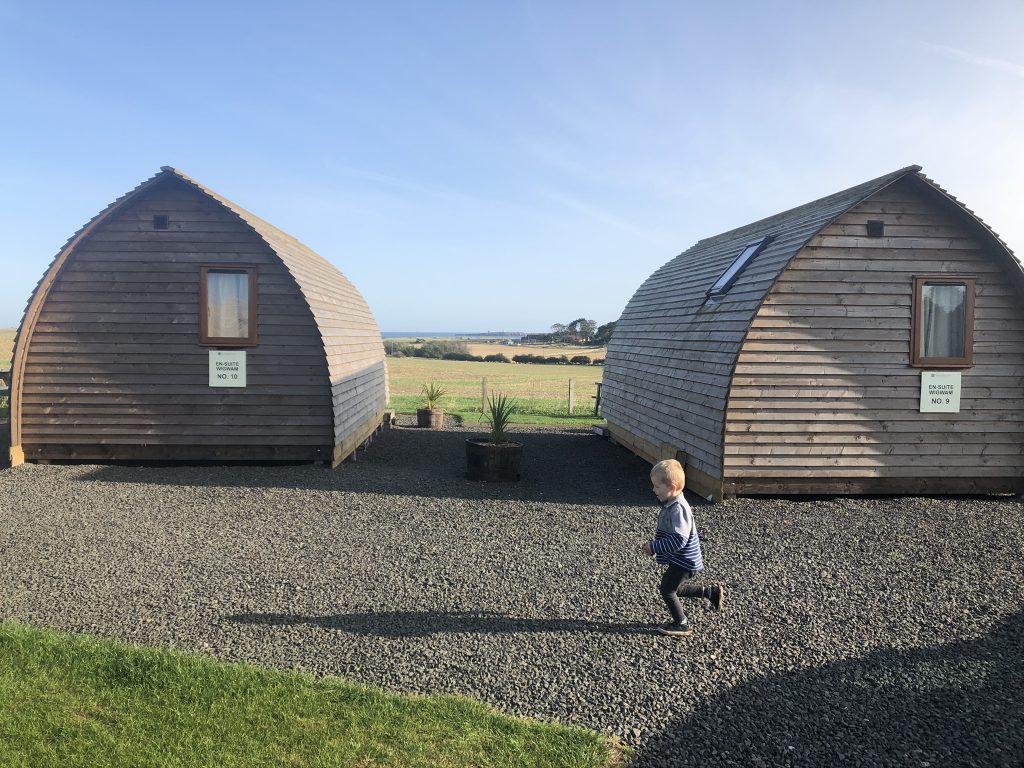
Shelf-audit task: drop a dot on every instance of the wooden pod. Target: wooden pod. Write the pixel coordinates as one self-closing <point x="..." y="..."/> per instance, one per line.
<point x="801" y="371"/>
<point x="113" y="358"/>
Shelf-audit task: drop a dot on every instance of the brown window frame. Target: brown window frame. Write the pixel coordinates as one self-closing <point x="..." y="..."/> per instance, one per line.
<point x="205" y="339"/>
<point x="918" y="360"/>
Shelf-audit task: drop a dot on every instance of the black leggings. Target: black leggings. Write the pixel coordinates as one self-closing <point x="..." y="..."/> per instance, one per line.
<point x="674" y="585"/>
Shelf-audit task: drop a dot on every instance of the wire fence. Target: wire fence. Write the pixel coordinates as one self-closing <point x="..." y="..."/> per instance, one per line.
<point x="539" y="390"/>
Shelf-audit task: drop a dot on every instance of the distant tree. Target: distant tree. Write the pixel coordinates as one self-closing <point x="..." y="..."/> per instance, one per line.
<point x="603" y="334"/>
<point x="580" y="360"/>
<point x="394" y="348"/>
<point x="579" y="331"/>
<point x="437" y="349"/>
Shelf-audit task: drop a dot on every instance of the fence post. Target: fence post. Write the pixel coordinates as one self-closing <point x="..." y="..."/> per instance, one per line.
<point x="483" y="395"/>
<point x="597" y="400"/>
<point x="570" y="397"/>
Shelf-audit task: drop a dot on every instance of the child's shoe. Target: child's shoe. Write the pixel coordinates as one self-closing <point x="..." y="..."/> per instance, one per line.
<point x="716" y="594"/>
<point x="675" y="630"/>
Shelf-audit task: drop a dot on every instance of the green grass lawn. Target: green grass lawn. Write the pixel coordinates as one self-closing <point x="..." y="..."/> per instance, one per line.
<point x="72" y="701"/>
<point x="541" y="391"/>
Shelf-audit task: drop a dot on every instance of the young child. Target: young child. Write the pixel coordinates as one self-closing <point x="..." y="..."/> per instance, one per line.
<point x="677" y="545"/>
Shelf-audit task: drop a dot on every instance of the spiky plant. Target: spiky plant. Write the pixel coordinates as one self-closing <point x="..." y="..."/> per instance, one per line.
<point x="434" y="393"/>
<point x="499" y="414"/>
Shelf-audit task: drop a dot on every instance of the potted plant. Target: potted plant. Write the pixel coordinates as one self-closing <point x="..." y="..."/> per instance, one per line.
<point x="431" y="417"/>
<point x="495" y="458"/>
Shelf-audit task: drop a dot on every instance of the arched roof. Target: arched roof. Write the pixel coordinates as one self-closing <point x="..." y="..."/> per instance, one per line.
<point x="678" y="289"/>
<point x="342" y="316"/>
<point x="673" y="337"/>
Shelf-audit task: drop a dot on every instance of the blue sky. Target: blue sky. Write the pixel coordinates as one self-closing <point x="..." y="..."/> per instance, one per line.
<point x="499" y="165"/>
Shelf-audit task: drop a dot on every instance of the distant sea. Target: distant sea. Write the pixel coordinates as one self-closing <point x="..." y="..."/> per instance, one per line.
<point x="450" y="334"/>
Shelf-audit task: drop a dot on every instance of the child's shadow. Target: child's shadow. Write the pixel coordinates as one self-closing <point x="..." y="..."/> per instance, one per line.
<point x="424" y="623"/>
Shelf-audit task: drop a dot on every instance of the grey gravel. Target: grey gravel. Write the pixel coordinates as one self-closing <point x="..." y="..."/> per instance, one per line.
<point x="858" y="631"/>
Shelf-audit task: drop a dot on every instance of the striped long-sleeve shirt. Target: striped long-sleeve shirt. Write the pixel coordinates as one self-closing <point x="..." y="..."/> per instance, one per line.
<point x="676" y="541"/>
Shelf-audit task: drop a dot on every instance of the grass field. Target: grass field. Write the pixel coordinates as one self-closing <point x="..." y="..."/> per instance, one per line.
<point x="534" y="349"/>
<point x="483" y="349"/>
<point x="73" y="701"/>
<point x="6" y="347"/>
<point x="541" y="391"/>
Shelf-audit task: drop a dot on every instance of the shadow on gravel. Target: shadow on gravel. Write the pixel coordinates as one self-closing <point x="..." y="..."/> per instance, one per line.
<point x="423" y="623"/>
<point x="960" y="704"/>
<point x="5" y="444"/>
<point x="568" y="466"/>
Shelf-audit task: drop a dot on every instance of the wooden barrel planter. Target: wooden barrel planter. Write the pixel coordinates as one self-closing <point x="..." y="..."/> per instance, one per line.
<point x="431" y="418"/>
<point x="492" y="462"/>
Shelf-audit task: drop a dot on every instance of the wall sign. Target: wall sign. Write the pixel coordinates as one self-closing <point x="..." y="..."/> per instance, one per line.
<point x="227" y="368"/>
<point x="940" y="392"/>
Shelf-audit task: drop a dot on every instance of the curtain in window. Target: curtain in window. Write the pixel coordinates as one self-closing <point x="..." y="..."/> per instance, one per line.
<point x="227" y="305"/>
<point x="943" y="320"/>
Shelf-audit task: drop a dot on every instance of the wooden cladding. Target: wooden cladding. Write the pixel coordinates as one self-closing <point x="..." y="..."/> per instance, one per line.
<point x="805" y="376"/>
<point x="114" y="363"/>
<point x="117" y="368"/>
<point x="227" y="306"/>
<point x="826" y="390"/>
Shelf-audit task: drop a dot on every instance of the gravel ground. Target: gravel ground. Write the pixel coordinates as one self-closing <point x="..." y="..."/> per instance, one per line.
<point x="864" y="631"/>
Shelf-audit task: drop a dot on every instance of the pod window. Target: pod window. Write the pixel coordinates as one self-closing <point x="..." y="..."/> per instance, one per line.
<point x="160" y="221"/>
<point x="726" y="280"/>
<point x="943" y="322"/>
<point x="227" y="306"/>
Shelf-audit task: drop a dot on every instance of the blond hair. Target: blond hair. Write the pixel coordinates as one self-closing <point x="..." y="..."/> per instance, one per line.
<point x="669" y="471"/>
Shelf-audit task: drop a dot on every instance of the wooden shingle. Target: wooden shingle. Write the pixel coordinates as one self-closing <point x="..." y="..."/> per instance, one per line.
<point x="803" y="341"/>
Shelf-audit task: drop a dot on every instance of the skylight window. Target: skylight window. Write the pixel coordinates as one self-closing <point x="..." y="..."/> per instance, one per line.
<point x="724" y="283"/>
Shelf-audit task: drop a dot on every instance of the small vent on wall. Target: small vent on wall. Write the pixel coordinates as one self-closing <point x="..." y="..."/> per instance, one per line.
<point x="160" y="221"/>
<point x="876" y="228"/>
